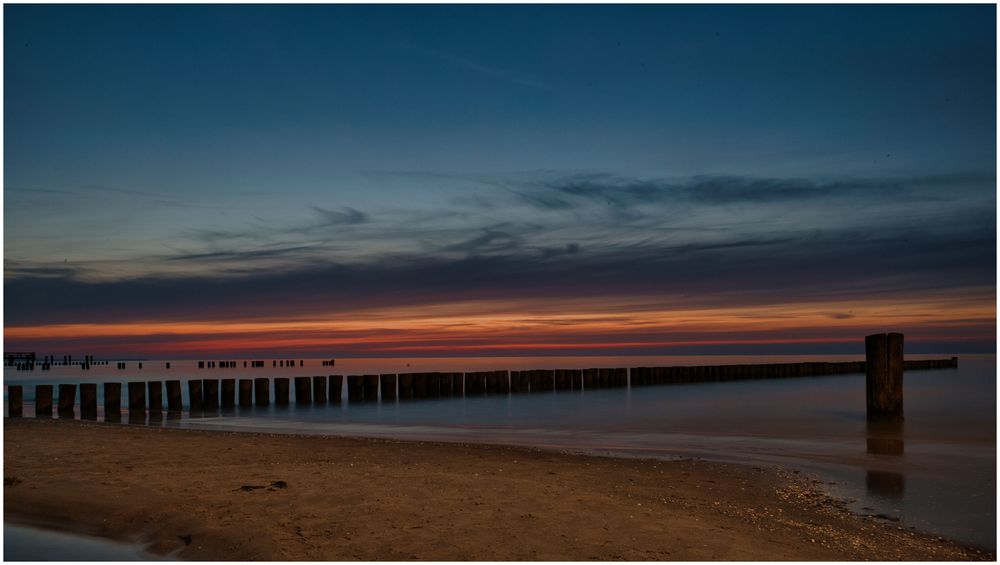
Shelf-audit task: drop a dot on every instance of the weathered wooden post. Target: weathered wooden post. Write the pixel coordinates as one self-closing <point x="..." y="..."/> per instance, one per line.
<point x="88" y="401"/>
<point x="112" y="402"/>
<point x="175" y="402"/>
<point x="228" y="393"/>
<point x="246" y="393"/>
<point x="154" y="390"/>
<point x="355" y="388"/>
<point x="303" y="390"/>
<point x="456" y="383"/>
<point x="371" y="388"/>
<point x="419" y="385"/>
<point x="262" y="391"/>
<point x="319" y="390"/>
<point x="210" y="394"/>
<point x="15" y="401"/>
<point x="281" y="391"/>
<point x="67" y="398"/>
<point x="336" y="388"/>
<point x="43" y="401"/>
<point x="405" y="381"/>
<point x="884" y="376"/>
<point x="195" y="397"/>
<point x="387" y="383"/>
<point x="137" y="397"/>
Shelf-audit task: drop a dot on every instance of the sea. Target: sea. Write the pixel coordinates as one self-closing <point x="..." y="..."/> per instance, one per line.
<point x="935" y="472"/>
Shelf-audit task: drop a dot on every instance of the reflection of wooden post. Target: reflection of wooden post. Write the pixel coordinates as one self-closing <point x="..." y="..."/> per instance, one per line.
<point x="884" y="376"/>
<point x="154" y="392"/>
<point x="67" y="398"/>
<point x="336" y="388"/>
<point x="112" y="402"/>
<point x="43" y="401"/>
<point x="262" y="391"/>
<point x="228" y="393"/>
<point x="88" y="401"/>
<point x="15" y="401"/>
<point x="175" y="402"/>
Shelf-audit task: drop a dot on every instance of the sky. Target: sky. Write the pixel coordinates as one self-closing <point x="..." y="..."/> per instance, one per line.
<point x="330" y="180"/>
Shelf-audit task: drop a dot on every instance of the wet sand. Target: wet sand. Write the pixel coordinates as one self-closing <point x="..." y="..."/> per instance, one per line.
<point x="242" y="496"/>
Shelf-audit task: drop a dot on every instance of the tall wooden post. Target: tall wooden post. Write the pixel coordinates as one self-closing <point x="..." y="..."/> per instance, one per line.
<point x="246" y="393"/>
<point x="387" y="384"/>
<point x="884" y="376"/>
<point x="154" y="394"/>
<point x="43" y="401"/>
<point x="175" y="402"/>
<point x="228" y="393"/>
<point x="262" y="391"/>
<point x="303" y="390"/>
<point x="319" y="390"/>
<point x="336" y="388"/>
<point x="112" y="402"/>
<point x="67" y="400"/>
<point x="195" y="395"/>
<point x="15" y="401"/>
<point x="281" y="391"/>
<point x="210" y="394"/>
<point x="88" y="401"/>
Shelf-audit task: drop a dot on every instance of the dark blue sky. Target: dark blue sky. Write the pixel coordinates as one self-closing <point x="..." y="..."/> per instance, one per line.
<point x="186" y="145"/>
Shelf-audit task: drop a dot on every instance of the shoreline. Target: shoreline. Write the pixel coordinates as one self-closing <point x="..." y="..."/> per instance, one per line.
<point x="217" y="495"/>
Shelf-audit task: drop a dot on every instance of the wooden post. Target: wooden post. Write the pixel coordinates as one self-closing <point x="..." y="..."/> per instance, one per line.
<point x="43" y="401"/>
<point x="319" y="390"/>
<point x="112" y="402"/>
<point x="884" y="376"/>
<point x="195" y="397"/>
<point x="175" y="402"/>
<point x="281" y="391"/>
<point x="503" y="378"/>
<point x="67" y="400"/>
<point x="303" y="390"/>
<point x="388" y="386"/>
<point x="137" y="397"/>
<point x="433" y="385"/>
<point x="336" y="388"/>
<point x="229" y="393"/>
<point x="210" y="394"/>
<point x="457" y="386"/>
<point x="154" y="390"/>
<point x="355" y="388"/>
<point x="405" y="381"/>
<point x="419" y="385"/>
<point x="262" y="391"/>
<point x="15" y="401"/>
<point x="246" y="393"/>
<point x="88" y="401"/>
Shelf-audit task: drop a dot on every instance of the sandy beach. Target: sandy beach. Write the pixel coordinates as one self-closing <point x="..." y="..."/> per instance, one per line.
<point x="242" y="496"/>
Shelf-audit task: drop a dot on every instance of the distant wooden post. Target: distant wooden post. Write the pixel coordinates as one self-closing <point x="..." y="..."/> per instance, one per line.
<point x="229" y="393"/>
<point x="405" y="381"/>
<point x="175" y="402"/>
<point x="67" y="400"/>
<point x="112" y="402"/>
<point x="88" y="401"/>
<point x="387" y="384"/>
<point x="281" y="391"/>
<point x="319" y="390"/>
<point x="303" y="390"/>
<point x="884" y="376"/>
<point x="195" y="397"/>
<point x="419" y="385"/>
<point x="336" y="388"/>
<point x="433" y="385"/>
<point x="15" y="401"/>
<point x="262" y="391"/>
<point x="246" y="393"/>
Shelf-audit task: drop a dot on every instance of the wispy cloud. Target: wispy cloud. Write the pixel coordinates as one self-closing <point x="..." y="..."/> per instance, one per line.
<point x="480" y="68"/>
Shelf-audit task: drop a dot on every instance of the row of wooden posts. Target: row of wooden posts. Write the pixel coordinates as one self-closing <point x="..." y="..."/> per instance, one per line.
<point x="207" y="394"/>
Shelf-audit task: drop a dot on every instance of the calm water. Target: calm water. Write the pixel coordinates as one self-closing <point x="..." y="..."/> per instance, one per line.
<point x="936" y="473"/>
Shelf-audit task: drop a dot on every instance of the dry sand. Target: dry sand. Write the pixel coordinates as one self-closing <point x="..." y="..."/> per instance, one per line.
<point x="194" y="494"/>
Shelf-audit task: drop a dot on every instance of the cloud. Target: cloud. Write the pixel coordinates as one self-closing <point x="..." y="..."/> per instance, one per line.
<point x="478" y="67"/>
<point x="343" y="216"/>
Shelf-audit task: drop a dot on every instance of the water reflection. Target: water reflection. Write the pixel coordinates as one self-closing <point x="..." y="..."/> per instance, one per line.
<point x="885" y="438"/>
